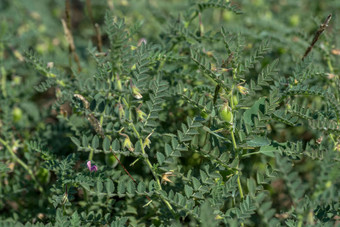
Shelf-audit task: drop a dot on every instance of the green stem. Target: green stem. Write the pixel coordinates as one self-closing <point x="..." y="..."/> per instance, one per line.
<point x="3" y="81"/>
<point x="231" y="98"/>
<point x="239" y="184"/>
<point x="237" y="172"/>
<point x="235" y="72"/>
<point x="134" y="162"/>
<point x="329" y="63"/>
<point x="300" y="218"/>
<point x="101" y="120"/>
<point x="151" y="168"/>
<point x="246" y="155"/>
<point x="18" y="160"/>
<point x="233" y="139"/>
<point x="91" y="155"/>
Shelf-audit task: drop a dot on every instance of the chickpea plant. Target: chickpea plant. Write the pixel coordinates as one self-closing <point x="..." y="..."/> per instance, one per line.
<point x="209" y="116"/>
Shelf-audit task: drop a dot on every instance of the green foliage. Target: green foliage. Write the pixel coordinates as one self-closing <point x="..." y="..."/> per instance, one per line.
<point x="169" y="113"/>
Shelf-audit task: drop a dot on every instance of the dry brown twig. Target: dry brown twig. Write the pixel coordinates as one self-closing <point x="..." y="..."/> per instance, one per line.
<point x="321" y="29"/>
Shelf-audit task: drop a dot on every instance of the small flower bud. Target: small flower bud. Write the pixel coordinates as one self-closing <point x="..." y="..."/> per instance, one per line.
<point x="58" y="93"/>
<point x="218" y="217"/>
<point x="65" y="199"/>
<point x="18" y="55"/>
<point x="127" y="143"/>
<point x="330" y="75"/>
<point x="119" y="84"/>
<point x="336" y="51"/>
<point x="50" y="65"/>
<point x="337" y="147"/>
<point x="213" y="67"/>
<point x="141" y="41"/>
<point x="121" y="111"/>
<point x="165" y="177"/>
<point x="242" y="90"/>
<point x="209" y="53"/>
<point x="135" y="91"/>
<point x="147" y="141"/>
<point x="140" y="114"/>
<point x="225" y="69"/>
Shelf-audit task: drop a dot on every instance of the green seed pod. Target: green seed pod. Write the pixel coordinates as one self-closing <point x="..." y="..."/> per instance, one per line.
<point x="17" y="114"/>
<point x="294" y="20"/>
<point x="118" y="83"/>
<point x="235" y="100"/>
<point x="226" y="114"/>
<point x="111" y="160"/>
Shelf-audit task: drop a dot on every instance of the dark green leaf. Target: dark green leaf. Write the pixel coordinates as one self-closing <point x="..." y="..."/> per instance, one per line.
<point x="110" y="187"/>
<point x="75" y="141"/>
<point x="141" y="187"/>
<point x="95" y="142"/>
<point x="188" y="191"/>
<point x="269" y="151"/>
<point x="249" y="114"/>
<point x="85" y="142"/>
<point x="258" y="142"/>
<point x="160" y="158"/>
<point x="106" y="144"/>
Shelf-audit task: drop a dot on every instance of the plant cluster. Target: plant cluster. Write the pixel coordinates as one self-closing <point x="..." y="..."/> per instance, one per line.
<point x="169" y="113"/>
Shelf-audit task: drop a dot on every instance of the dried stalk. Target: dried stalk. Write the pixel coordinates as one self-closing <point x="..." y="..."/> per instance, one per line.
<point x="317" y="35"/>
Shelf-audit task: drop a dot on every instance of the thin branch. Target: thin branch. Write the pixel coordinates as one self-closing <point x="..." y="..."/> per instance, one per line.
<point x="99" y="37"/>
<point x="317" y="35"/>
<point x="68" y="13"/>
<point x="72" y="48"/>
<point x="127" y="172"/>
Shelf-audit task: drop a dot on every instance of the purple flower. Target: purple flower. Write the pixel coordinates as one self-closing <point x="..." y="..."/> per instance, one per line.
<point x="91" y="168"/>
